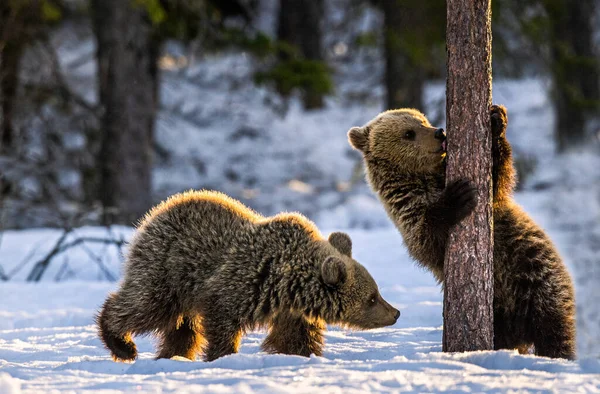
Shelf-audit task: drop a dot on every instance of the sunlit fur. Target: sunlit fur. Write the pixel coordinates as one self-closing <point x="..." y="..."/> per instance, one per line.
<point x="202" y="269"/>
<point x="533" y="292"/>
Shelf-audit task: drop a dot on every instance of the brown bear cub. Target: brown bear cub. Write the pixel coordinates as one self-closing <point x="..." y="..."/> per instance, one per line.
<point x="203" y="268"/>
<point x="533" y="292"/>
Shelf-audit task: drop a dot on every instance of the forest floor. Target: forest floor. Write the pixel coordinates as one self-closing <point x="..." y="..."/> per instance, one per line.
<point x="48" y="342"/>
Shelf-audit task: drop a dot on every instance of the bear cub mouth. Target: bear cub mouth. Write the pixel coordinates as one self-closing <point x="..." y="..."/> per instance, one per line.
<point x="442" y="149"/>
<point x="440" y="135"/>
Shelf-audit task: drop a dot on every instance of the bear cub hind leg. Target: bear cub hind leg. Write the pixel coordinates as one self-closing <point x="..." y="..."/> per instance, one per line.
<point x="555" y="334"/>
<point x="184" y="340"/>
<point x="294" y="335"/>
<point x="222" y="338"/>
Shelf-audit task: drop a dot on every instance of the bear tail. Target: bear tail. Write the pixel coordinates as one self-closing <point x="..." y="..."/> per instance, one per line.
<point x="118" y="342"/>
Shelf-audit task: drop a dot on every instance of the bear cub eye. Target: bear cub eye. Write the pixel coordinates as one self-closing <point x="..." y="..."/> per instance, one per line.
<point x="372" y="299"/>
<point x="410" y="135"/>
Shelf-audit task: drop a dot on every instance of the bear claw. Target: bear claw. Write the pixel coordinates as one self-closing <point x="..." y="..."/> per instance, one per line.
<point x="499" y="119"/>
<point x="461" y="198"/>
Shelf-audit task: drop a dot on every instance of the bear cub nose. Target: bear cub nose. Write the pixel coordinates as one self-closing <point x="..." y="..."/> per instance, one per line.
<point x="440" y="134"/>
<point x="397" y="315"/>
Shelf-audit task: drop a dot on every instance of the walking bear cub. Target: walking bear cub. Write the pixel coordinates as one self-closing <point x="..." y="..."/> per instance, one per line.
<point x="202" y="269"/>
<point x="533" y="292"/>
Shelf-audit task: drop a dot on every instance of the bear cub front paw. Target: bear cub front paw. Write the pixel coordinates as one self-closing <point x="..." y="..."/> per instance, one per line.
<point x="461" y="199"/>
<point x="499" y="119"/>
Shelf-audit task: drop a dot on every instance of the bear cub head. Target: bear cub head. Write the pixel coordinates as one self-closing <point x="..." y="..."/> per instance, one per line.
<point x="361" y="305"/>
<point x="403" y="138"/>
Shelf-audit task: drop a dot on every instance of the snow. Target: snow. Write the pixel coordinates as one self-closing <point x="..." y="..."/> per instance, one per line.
<point x="9" y="385"/>
<point x="48" y="341"/>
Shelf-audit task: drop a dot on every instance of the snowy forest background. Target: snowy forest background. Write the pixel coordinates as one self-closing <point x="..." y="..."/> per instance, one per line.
<point x="246" y="97"/>
<point x="109" y="106"/>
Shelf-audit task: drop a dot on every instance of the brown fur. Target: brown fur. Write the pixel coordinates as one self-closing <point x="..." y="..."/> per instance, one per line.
<point x="533" y="292"/>
<point x="202" y="269"/>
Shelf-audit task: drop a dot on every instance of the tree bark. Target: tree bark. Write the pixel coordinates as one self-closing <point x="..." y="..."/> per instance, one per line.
<point x="128" y="84"/>
<point x="404" y="80"/>
<point x="468" y="266"/>
<point x="299" y="24"/>
<point x="575" y="69"/>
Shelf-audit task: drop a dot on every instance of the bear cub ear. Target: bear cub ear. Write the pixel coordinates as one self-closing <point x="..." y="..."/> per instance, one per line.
<point x="359" y="138"/>
<point x="334" y="271"/>
<point x="342" y="242"/>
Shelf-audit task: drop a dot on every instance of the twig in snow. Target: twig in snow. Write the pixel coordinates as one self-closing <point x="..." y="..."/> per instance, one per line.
<point x="40" y="267"/>
<point x="63" y="268"/>
<point x="25" y="261"/>
<point x="98" y="261"/>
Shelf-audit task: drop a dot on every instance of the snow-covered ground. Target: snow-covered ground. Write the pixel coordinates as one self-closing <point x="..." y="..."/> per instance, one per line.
<point x="48" y="340"/>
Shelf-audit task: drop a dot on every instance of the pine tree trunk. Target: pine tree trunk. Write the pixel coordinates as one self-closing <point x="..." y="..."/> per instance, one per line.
<point x="575" y="69"/>
<point x="299" y="24"/>
<point x="10" y="56"/>
<point x="18" y="24"/>
<point x="127" y="78"/>
<point x="468" y="267"/>
<point x="403" y="80"/>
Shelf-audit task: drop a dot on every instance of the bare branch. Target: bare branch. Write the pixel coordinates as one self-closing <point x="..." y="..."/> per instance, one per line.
<point x="60" y="247"/>
<point x="38" y="269"/>
<point x="109" y="276"/>
<point x="23" y="262"/>
<point x="62" y="85"/>
<point x="63" y="268"/>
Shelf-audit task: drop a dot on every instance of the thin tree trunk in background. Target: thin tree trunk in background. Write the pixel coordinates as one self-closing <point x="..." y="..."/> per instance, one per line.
<point x="468" y="266"/>
<point x="9" y="79"/>
<point x="10" y="56"/>
<point x="404" y="80"/>
<point x="16" y="25"/>
<point x="575" y="69"/>
<point x="127" y="77"/>
<point x="19" y="24"/>
<point x="299" y="24"/>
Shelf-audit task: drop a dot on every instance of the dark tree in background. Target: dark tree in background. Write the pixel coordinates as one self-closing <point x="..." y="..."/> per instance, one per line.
<point x="21" y="21"/>
<point x="127" y="56"/>
<point x="412" y="31"/>
<point x="404" y="78"/>
<point x="468" y="266"/>
<point x="299" y="25"/>
<point x="13" y="40"/>
<point x="574" y="68"/>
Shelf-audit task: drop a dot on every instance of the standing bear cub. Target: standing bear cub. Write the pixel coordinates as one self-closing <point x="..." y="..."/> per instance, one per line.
<point x="202" y="269"/>
<point x="533" y="292"/>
